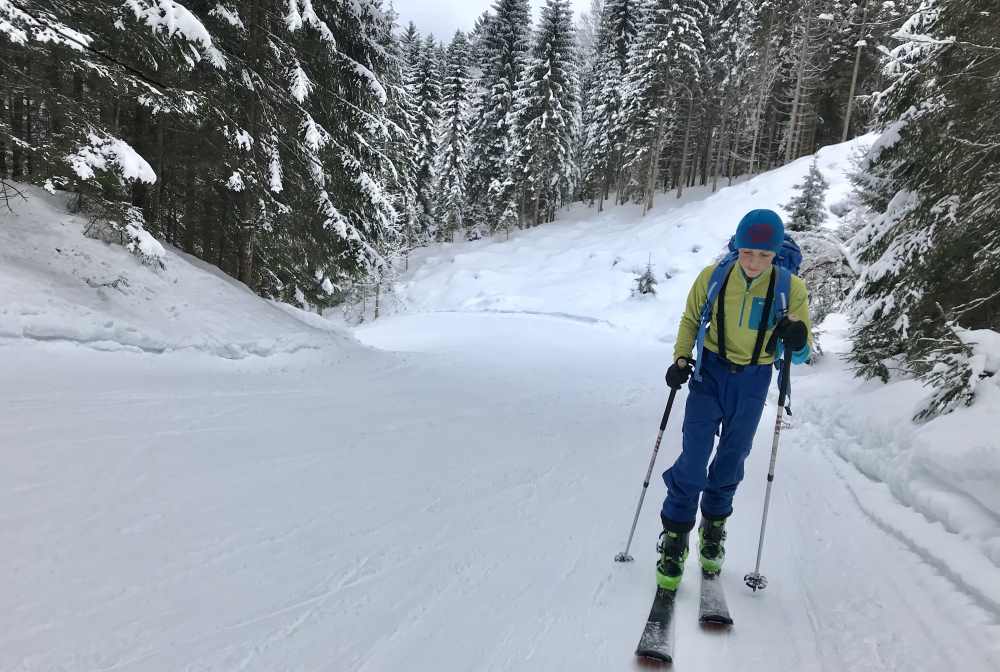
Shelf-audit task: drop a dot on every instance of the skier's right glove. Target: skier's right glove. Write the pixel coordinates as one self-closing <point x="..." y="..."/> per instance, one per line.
<point x="793" y="333"/>
<point x="678" y="373"/>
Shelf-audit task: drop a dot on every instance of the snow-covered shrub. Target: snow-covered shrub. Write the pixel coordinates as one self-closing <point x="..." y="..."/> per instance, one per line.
<point x="826" y="271"/>
<point x="645" y="281"/>
<point x="123" y="224"/>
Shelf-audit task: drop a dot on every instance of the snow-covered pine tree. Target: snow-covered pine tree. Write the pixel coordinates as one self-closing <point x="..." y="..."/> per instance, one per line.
<point x="807" y="209"/>
<point x="425" y="88"/>
<point x="348" y="224"/>
<point x="661" y="82"/>
<point x="602" y="136"/>
<point x="248" y="116"/>
<point x="492" y="189"/>
<point x="83" y="85"/>
<point x="587" y="34"/>
<point x="732" y="54"/>
<point x="401" y="176"/>
<point x="547" y="118"/>
<point x="452" y="166"/>
<point x="476" y="39"/>
<point x="931" y="184"/>
<point x="410" y="44"/>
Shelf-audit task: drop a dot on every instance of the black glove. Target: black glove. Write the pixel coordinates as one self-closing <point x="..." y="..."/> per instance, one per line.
<point x="793" y="333"/>
<point x="677" y="375"/>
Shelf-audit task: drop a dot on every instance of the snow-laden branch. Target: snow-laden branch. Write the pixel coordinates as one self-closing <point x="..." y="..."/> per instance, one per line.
<point x="20" y="27"/>
<point x="173" y="18"/>
<point x="104" y="153"/>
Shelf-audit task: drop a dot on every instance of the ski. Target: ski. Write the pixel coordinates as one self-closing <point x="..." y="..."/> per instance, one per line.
<point x="712" y="608"/>
<point x="657" y="641"/>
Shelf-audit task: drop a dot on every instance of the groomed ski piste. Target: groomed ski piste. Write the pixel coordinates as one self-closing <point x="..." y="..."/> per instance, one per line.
<point x="197" y="479"/>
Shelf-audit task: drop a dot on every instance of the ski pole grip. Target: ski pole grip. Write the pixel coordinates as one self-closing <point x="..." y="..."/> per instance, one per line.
<point x="666" y="411"/>
<point x="786" y="372"/>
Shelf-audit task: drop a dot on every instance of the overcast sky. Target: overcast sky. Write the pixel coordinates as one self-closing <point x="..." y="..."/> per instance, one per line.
<point x="444" y="17"/>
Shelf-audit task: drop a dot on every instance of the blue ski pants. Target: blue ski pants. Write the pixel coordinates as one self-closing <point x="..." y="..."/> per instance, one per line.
<point x="732" y="397"/>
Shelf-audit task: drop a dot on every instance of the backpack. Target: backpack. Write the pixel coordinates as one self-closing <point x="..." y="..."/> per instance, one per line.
<point x="786" y="262"/>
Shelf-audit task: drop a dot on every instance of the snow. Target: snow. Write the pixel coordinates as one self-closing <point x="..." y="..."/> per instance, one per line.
<point x="14" y="21"/>
<point x="144" y="243"/>
<point x="228" y="15"/>
<point x="235" y="182"/>
<point x="301" y="84"/>
<point x="62" y="286"/>
<point x="946" y="470"/>
<point x="586" y="265"/>
<point x="448" y="494"/>
<point x="174" y="19"/>
<point x="104" y="152"/>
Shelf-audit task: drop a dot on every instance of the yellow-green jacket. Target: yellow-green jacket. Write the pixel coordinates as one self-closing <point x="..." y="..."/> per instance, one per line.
<point x="744" y="306"/>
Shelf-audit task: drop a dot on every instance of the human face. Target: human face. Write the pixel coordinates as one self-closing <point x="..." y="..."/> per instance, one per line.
<point x="755" y="262"/>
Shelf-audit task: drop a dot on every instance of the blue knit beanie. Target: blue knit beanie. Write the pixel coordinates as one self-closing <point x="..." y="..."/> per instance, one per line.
<point x="760" y="230"/>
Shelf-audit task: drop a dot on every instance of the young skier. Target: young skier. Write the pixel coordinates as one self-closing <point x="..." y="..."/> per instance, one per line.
<point x="729" y="389"/>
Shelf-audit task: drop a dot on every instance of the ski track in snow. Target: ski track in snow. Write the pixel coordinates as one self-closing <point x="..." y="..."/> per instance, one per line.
<point x="211" y="515"/>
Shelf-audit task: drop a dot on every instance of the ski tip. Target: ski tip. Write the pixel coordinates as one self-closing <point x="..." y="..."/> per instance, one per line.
<point x="715" y="622"/>
<point x="653" y="659"/>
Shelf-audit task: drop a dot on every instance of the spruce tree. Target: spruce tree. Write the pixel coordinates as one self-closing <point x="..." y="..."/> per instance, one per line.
<point x="452" y="169"/>
<point x="402" y="170"/>
<point x="602" y="135"/>
<point x="664" y="70"/>
<point x="546" y="118"/>
<point x="426" y="91"/>
<point x="492" y="189"/>
<point x="930" y="184"/>
<point x="807" y="209"/>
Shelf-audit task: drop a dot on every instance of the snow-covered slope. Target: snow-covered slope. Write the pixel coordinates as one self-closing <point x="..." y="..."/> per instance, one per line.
<point x="58" y="284"/>
<point x="585" y="264"/>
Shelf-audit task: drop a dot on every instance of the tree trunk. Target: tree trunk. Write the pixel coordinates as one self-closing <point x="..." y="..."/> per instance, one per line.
<point x="792" y="136"/>
<point x="654" y="162"/>
<point x="684" y="152"/>
<point x="17" y="130"/>
<point x="722" y="143"/>
<point x="854" y="77"/>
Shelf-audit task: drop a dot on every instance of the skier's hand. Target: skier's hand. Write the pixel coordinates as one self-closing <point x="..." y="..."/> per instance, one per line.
<point x="793" y="333"/>
<point x="678" y="373"/>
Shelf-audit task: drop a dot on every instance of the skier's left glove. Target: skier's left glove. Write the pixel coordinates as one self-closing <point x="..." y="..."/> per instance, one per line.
<point x="793" y="333"/>
<point x="678" y="373"/>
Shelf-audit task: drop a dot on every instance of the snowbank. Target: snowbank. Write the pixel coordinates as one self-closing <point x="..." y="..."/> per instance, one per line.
<point x="946" y="471"/>
<point x="59" y="285"/>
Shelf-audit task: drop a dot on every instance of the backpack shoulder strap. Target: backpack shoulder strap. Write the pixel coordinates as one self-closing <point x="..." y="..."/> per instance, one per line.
<point x="715" y="283"/>
<point x="783" y="291"/>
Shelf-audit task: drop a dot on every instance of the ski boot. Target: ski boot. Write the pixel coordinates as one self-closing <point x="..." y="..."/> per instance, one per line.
<point x="673" y="548"/>
<point x="711" y="544"/>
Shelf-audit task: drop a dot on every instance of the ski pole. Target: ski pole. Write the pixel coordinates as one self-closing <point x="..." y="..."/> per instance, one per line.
<point x="624" y="556"/>
<point x="755" y="580"/>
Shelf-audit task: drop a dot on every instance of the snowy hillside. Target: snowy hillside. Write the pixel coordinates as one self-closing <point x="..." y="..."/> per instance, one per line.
<point x="62" y="286"/>
<point x="585" y="264"/>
